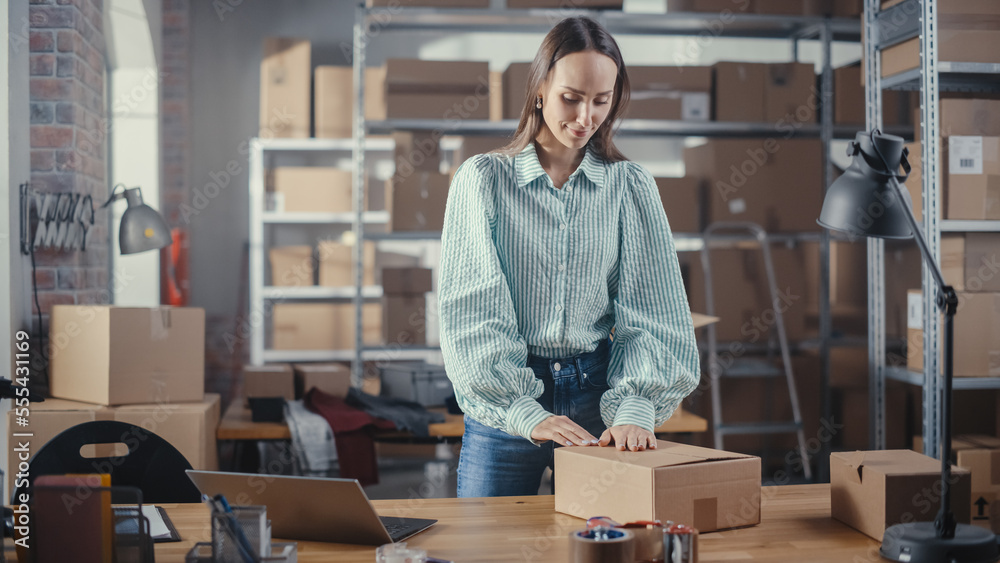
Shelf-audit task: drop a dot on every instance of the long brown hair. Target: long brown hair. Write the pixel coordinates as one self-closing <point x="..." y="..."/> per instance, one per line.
<point x="572" y="35"/>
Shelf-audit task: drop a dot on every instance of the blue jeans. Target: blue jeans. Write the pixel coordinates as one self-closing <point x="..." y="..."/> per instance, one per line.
<point x="494" y="463"/>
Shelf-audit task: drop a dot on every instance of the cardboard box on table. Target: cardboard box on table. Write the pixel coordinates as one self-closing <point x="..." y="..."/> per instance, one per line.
<point x="708" y="489"/>
<point x="269" y="380"/>
<point x="189" y="426"/>
<point x="980" y="454"/>
<point x="127" y="355"/>
<point x="331" y="378"/>
<point x="872" y="490"/>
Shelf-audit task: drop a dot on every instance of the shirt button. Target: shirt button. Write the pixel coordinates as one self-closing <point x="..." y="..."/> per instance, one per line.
<point x="562" y="267"/>
<point x="557" y="366"/>
<point x="558" y="307"/>
<point x="562" y="226"/>
<point x="569" y="188"/>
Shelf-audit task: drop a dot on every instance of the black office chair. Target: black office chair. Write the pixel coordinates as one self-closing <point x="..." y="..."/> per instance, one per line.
<point x="152" y="465"/>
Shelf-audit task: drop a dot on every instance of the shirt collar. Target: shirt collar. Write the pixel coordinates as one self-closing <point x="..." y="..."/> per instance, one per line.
<point x="529" y="169"/>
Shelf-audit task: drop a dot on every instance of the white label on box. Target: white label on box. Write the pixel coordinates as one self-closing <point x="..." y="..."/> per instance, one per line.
<point x="694" y="106"/>
<point x="965" y="155"/>
<point x="914" y="310"/>
<point x="737" y="206"/>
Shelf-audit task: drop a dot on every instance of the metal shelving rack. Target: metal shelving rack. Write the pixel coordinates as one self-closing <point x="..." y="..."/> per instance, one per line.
<point x="885" y="28"/>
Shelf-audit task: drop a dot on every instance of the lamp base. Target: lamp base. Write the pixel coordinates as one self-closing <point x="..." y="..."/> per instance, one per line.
<point x="917" y="542"/>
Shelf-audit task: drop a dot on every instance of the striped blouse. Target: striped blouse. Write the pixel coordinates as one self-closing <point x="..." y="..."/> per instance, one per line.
<point x="527" y="268"/>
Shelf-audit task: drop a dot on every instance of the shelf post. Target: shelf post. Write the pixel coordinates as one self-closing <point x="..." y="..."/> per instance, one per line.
<point x="358" y="189"/>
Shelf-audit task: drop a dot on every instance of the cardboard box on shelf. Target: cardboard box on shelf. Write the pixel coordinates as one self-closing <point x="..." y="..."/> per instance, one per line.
<point x="331" y="378"/>
<point x="850" y="409"/>
<point x="406" y="281"/>
<point x="586" y="4"/>
<point x="118" y="355"/>
<point x="790" y="94"/>
<point x="515" y="84"/>
<point x="269" y="380"/>
<point x="416" y="150"/>
<point x="188" y="426"/>
<point x="285" y="75"/>
<point x="982" y="251"/>
<point x="670" y="92"/>
<point x="429" y="3"/>
<point x="748" y="180"/>
<point x="496" y="95"/>
<point x="733" y="6"/>
<point x="738" y="91"/>
<point x="953" y="260"/>
<point x="903" y="268"/>
<point x="416" y="202"/>
<point x="333" y="101"/>
<point x="375" y="93"/>
<point x="417" y="89"/>
<point x="963" y="115"/>
<point x="915" y="183"/>
<point x="704" y="488"/>
<point x="404" y="319"/>
<point x="322" y="326"/>
<point x="681" y="198"/>
<point x="848" y="8"/>
<point x="779" y="7"/>
<point x="962" y="37"/>
<point x="976" y="339"/>
<point x="313" y="189"/>
<point x="291" y="265"/>
<point x="872" y="490"/>
<point x="849" y="100"/>
<point x="848" y="272"/>
<point x="472" y="146"/>
<point x="336" y="263"/>
<point x="973" y="198"/>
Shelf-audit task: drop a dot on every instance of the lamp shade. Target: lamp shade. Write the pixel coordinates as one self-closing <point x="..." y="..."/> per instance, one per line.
<point x="862" y="201"/>
<point x="141" y="228"/>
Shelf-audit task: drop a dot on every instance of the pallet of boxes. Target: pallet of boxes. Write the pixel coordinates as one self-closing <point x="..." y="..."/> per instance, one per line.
<point x="142" y="366"/>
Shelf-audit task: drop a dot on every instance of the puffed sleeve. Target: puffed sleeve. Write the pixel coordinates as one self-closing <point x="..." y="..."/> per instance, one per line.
<point x="654" y="355"/>
<point x="485" y="354"/>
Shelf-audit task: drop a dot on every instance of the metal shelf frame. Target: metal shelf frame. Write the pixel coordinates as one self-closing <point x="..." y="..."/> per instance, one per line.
<point x="909" y="19"/>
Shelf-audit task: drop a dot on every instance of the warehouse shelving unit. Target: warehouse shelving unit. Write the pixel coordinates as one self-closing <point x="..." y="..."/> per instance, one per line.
<point x="793" y="28"/>
<point x="885" y="28"/>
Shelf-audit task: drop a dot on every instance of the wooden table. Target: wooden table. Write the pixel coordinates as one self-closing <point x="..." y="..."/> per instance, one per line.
<point x="795" y="526"/>
<point x="236" y="424"/>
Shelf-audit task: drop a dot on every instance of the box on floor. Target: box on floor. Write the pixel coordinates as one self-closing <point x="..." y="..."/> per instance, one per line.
<point x="872" y="490"/>
<point x="127" y="355"/>
<point x="285" y="75"/>
<point x="190" y="427"/>
<point x="708" y="489"/>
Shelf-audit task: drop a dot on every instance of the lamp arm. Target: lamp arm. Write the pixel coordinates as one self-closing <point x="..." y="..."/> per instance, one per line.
<point x="918" y="234"/>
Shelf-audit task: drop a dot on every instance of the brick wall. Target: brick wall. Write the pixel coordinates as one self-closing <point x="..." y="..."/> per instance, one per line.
<point x="174" y="110"/>
<point x="68" y="139"/>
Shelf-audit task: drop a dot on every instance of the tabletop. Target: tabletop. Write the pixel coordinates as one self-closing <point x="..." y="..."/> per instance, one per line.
<point x="795" y="526"/>
<point x="236" y="424"/>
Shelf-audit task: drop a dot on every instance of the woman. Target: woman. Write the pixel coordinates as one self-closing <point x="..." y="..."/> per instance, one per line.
<point x="548" y="244"/>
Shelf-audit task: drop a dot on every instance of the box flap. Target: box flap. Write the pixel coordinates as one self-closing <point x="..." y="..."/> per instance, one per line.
<point x="891" y="463"/>
<point x="666" y="454"/>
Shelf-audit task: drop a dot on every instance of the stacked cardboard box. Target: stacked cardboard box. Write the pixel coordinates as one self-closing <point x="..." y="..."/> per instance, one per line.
<point x="336" y="263"/>
<point x="333" y="101"/>
<point x="416" y="201"/>
<point x="270" y="380"/>
<point x="681" y="198"/>
<point x="980" y="454"/>
<point x="323" y="326"/>
<point x="775" y="184"/>
<point x="291" y="265"/>
<point x="404" y="304"/>
<point x="285" y="72"/>
<point x="783" y="94"/>
<point x="670" y="92"/>
<point x="417" y="150"/>
<point x="963" y="36"/>
<point x="332" y="379"/>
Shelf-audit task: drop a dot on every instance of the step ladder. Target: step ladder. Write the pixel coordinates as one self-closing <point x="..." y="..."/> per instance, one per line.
<point x="749" y="367"/>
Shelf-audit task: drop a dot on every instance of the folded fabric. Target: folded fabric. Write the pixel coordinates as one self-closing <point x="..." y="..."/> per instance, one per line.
<point x="407" y="415"/>
<point x="312" y="439"/>
<point x="352" y="433"/>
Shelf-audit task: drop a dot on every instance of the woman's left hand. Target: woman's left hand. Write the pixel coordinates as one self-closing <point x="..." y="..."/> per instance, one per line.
<point x="629" y="437"/>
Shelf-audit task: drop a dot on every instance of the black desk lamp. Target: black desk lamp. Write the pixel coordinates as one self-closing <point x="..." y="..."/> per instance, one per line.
<point x="142" y="228"/>
<point x="868" y="201"/>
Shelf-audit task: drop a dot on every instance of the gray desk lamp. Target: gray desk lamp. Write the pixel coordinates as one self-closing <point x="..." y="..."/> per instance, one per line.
<point x="869" y="201"/>
<point x="141" y="227"/>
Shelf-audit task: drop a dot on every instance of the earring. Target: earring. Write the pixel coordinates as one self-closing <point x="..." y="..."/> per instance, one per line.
<point x="538" y="104"/>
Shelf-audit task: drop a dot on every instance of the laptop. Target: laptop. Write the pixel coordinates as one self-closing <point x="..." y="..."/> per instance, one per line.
<point x="310" y="509"/>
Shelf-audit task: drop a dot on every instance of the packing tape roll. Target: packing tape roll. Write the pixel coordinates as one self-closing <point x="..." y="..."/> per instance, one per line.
<point x="602" y="545"/>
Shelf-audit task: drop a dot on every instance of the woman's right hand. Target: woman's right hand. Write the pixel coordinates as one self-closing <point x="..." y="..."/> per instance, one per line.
<point x="562" y="430"/>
